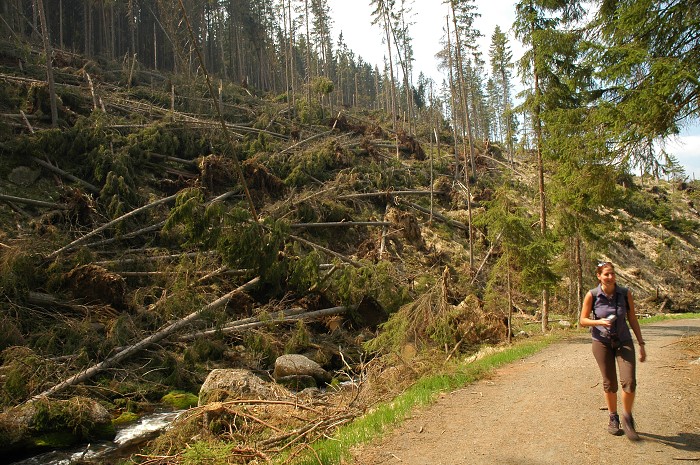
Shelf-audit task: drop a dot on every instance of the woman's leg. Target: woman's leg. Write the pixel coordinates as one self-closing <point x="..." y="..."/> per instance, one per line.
<point x="627" y="402"/>
<point x="605" y="357"/>
<point x="611" y="401"/>
<point x="628" y="378"/>
<point x="628" y="375"/>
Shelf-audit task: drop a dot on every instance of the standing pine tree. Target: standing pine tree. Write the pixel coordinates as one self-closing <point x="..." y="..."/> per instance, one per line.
<point x="536" y="26"/>
<point x="501" y="58"/>
<point x="647" y="57"/>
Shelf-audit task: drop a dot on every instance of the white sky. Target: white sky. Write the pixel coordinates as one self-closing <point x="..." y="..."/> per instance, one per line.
<point x="354" y="17"/>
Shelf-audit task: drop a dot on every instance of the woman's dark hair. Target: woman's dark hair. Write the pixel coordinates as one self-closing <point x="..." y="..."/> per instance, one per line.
<point x="602" y="265"/>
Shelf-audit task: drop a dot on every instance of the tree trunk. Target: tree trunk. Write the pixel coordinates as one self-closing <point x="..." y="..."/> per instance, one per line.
<point x="326" y="250"/>
<point x="340" y="224"/>
<point x="453" y="113"/>
<point x="68" y="176"/>
<point x="112" y="32"/>
<point x="249" y="323"/>
<point x="486" y="257"/>
<point x="291" y="53"/>
<point x="287" y="56"/>
<point x="60" y="23"/>
<point x="35" y="203"/>
<point x="439" y="216"/>
<point x="540" y="176"/>
<point x="579" y="276"/>
<point x="463" y="95"/>
<point x="392" y="94"/>
<point x="510" y="301"/>
<point x="48" y="51"/>
<point x="308" y="53"/>
<point x="387" y="194"/>
<point x="132" y="27"/>
<point x="385" y="231"/>
<point x="467" y="124"/>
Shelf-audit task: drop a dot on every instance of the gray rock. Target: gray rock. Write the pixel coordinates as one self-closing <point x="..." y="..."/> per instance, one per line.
<point x="223" y="384"/>
<point x="23" y="176"/>
<point x="298" y="365"/>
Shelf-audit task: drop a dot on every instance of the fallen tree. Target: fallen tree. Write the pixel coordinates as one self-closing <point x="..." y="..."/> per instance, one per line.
<point x="32" y="202"/>
<point x="292" y="314"/>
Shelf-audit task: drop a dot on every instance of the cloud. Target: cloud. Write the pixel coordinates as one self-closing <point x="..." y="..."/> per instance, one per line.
<point x="686" y="149"/>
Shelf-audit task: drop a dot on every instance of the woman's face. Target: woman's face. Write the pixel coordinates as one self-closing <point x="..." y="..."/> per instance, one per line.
<point x="607" y="275"/>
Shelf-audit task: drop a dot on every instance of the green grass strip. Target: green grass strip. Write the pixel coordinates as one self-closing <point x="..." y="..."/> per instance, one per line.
<point x="384" y="417"/>
<point x="673" y="316"/>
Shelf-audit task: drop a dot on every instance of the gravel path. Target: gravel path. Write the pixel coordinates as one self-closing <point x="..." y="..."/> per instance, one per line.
<point x="549" y="409"/>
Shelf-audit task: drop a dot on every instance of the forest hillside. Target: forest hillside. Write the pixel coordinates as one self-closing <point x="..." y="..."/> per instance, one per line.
<point x="157" y="226"/>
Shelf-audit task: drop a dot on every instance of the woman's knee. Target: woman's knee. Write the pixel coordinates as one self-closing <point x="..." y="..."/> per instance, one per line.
<point x="629" y="386"/>
<point x="609" y="387"/>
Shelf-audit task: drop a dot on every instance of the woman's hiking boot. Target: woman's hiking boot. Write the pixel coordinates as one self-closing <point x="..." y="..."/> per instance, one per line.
<point x="614" y="425"/>
<point x="628" y="427"/>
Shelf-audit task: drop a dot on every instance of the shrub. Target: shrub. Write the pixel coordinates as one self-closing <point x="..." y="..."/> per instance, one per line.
<point x="204" y="349"/>
<point x="299" y="340"/>
<point x="377" y="281"/>
<point x="26" y="374"/>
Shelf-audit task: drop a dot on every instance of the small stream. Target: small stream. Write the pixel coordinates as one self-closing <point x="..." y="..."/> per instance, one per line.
<point x="127" y="440"/>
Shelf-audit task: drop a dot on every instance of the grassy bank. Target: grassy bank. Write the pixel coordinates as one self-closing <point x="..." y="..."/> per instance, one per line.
<point x="673" y="316"/>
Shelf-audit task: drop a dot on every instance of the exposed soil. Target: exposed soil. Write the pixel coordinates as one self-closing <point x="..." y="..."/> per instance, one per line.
<point x="549" y="409"/>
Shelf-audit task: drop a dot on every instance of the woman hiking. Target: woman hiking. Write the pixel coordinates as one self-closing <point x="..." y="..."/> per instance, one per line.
<point x="607" y="309"/>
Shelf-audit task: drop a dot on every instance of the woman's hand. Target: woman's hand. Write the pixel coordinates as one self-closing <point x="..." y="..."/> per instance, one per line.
<point x="642" y="353"/>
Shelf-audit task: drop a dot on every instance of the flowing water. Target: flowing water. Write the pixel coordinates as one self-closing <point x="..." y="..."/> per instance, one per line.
<point x="126" y="441"/>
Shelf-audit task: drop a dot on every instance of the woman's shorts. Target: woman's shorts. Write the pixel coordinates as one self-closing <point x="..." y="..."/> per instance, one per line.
<point x="605" y="355"/>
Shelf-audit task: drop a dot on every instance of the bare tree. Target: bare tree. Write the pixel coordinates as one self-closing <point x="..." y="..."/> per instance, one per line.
<point x="48" y="51"/>
<point x="382" y="15"/>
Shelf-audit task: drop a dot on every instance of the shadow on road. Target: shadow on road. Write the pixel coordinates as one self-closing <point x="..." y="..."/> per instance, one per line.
<point x="682" y="441"/>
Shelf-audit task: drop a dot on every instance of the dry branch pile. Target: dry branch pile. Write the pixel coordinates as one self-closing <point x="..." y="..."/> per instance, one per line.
<point x="253" y="428"/>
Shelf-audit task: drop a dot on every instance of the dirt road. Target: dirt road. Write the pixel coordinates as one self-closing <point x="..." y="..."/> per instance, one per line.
<point x="549" y="409"/>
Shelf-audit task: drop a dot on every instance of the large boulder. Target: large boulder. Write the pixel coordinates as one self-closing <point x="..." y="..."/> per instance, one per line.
<point x="222" y="384"/>
<point x="23" y="176"/>
<point x="295" y="365"/>
<point x="50" y="424"/>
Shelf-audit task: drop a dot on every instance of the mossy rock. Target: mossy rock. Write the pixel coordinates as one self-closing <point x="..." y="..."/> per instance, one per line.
<point x="180" y="400"/>
<point x="48" y="423"/>
<point x="54" y="440"/>
<point x="124" y="418"/>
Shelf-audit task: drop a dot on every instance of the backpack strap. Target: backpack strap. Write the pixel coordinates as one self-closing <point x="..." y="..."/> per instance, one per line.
<point x="626" y="290"/>
<point x="593" y="294"/>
